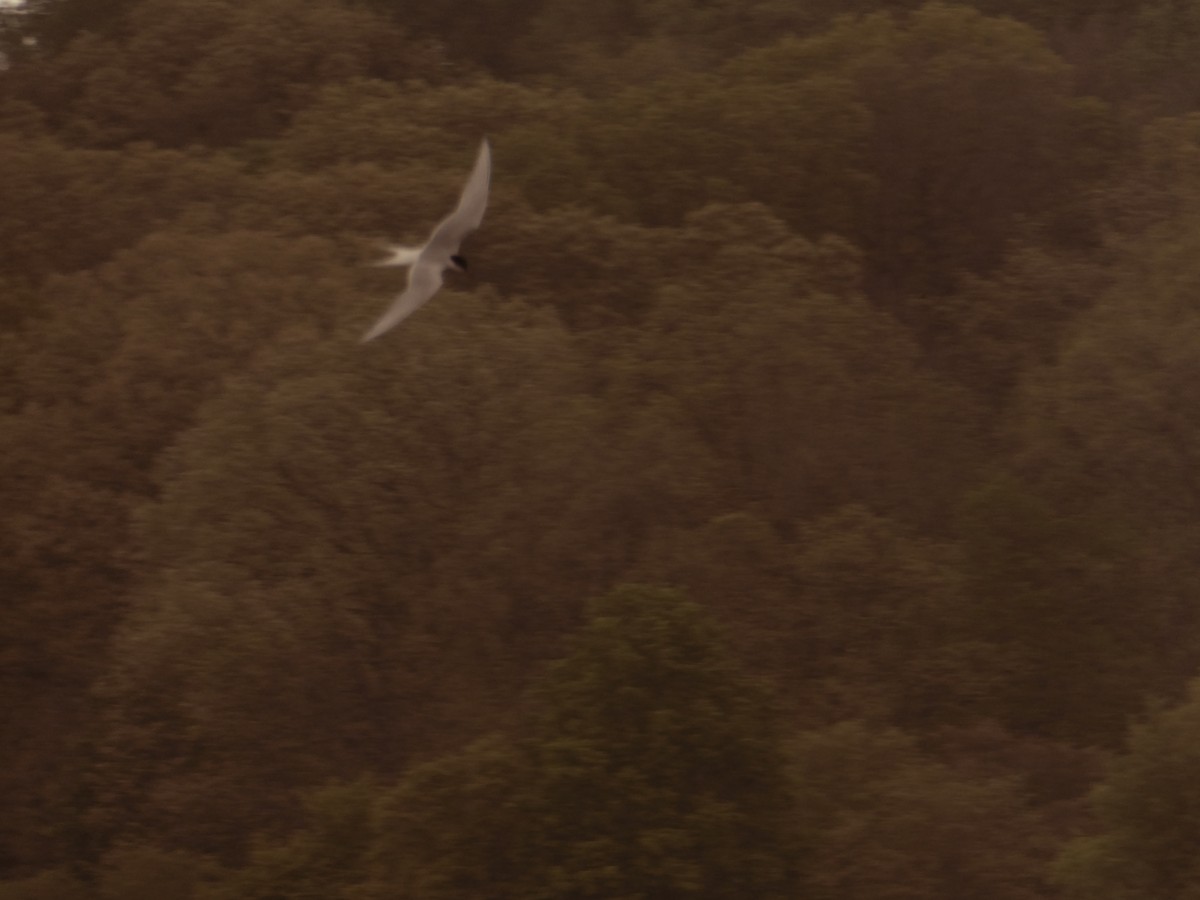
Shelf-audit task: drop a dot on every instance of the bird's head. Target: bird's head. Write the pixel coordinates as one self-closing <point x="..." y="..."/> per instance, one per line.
<point x="460" y="262"/>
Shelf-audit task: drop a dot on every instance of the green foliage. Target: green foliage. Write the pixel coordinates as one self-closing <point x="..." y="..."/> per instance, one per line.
<point x="456" y="827"/>
<point x="147" y="872"/>
<point x="855" y="615"/>
<point x="881" y="821"/>
<point x="1108" y="435"/>
<point x="863" y="324"/>
<point x="54" y="884"/>
<point x="100" y="388"/>
<point x="476" y="34"/>
<point x="949" y="184"/>
<point x="598" y="274"/>
<point x="318" y="861"/>
<point x="69" y="208"/>
<point x="681" y="142"/>
<point x="411" y="124"/>
<point x="383" y="592"/>
<point x="107" y="380"/>
<point x="660" y="770"/>
<point x="809" y="397"/>
<point x="651" y="768"/>
<point x="881" y="622"/>
<point x="250" y="65"/>
<point x="1060" y="15"/>
<point x="1157" y="61"/>
<point x="1036" y="572"/>
<point x="994" y="329"/>
<point x="1146" y="809"/>
<point x="1159" y="182"/>
<point x="54" y="23"/>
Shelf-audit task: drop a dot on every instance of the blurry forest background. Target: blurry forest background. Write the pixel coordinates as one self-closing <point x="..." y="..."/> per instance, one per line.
<point x="799" y="499"/>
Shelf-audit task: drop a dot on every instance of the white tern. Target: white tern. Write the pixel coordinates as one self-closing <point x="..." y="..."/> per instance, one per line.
<point x="427" y="262"/>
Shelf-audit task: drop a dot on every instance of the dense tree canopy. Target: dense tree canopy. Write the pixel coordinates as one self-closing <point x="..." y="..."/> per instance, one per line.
<point x="1147" y="807"/>
<point x="649" y="766"/>
<point x="862" y="335"/>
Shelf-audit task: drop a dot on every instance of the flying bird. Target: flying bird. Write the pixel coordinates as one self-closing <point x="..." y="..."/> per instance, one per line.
<point x="427" y="262"/>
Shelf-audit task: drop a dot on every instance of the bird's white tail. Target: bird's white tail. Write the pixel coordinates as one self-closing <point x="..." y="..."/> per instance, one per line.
<point x="400" y="256"/>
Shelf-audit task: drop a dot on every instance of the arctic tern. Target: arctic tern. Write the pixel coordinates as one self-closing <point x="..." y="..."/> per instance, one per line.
<point x="427" y="262"/>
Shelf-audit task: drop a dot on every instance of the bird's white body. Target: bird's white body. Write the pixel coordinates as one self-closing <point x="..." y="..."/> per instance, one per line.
<point x="427" y="262"/>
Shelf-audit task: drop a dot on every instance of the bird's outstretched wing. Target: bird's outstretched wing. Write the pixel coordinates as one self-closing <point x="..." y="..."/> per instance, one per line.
<point x="424" y="280"/>
<point x="451" y="231"/>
